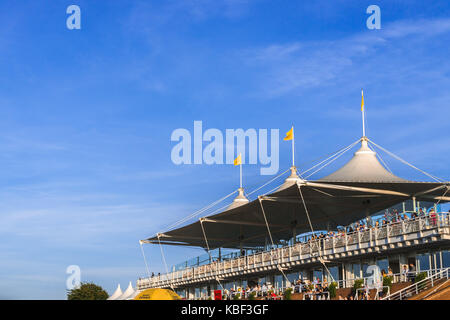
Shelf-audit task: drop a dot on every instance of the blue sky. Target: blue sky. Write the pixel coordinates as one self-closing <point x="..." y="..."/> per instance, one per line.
<point x="86" y="115"/>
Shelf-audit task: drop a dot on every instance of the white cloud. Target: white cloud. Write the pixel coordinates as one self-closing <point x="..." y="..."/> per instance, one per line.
<point x="293" y="67"/>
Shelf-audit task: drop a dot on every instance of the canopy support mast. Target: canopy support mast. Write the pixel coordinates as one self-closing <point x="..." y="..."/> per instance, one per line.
<point x="362" y="113"/>
<point x="293" y="143"/>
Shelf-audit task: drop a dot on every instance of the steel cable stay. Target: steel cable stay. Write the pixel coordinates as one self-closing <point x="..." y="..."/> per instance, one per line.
<point x="196" y="213"/>
<point x="270" y="191"/>
<point x="145" y="259"/>
<point x="271" y="240"/>
<point x="270" y="181"/>
<point x="209" y="252"/>
<point x="381" y="159"/>
<point x="333" y="158"/>
<point x="446" y="190"/>
<point x="165" y="263"/>
<point x="313" y="232"/>
<point x="407" y="163"/>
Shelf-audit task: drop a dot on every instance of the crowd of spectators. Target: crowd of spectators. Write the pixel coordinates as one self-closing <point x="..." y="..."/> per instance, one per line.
<point x="389" y="217"/>
<point x="266" y="291"/>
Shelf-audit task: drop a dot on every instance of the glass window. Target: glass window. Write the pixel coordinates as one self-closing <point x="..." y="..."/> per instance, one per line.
<point x="356" y="270"/>
<point x="383" y="264"/>
<point x="293" y="277"/>
<point x="278" y="281"/>
<point x="445" y="259"/>
<point x="318" y="274"/>
<point x="334" y="271"/>
<point x="261" y="281"/>
<point x="424" y="261"/>
<point x="228" y="285"/>
<point x="437" y="260"/>
<point x="364" y="270"/>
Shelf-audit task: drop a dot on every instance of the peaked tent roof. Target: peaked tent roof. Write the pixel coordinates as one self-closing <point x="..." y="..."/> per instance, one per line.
<point x="127" y="294"/>
<point x="239" y="200"/>
<point x="291" y="180"/>
<point x="116" y="293"/>
<point x="363" y="167"/>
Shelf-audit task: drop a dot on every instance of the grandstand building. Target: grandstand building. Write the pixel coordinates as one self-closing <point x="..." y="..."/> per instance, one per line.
<point x="275" y="237"/>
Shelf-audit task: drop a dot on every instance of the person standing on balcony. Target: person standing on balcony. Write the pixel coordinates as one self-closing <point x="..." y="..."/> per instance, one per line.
<point x="421" y="213"/>
<point x="433" y="219"/>
<point x="264" y="289"/>
<point x="405" y="273"/>
<point x="390" y="273"/>
<point x="412" y="272"/>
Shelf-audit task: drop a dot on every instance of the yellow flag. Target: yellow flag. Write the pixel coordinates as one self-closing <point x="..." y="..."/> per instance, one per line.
<point x="238" y="160"/>
<point x="289" y="134"/>
<point x="362" y="100"/>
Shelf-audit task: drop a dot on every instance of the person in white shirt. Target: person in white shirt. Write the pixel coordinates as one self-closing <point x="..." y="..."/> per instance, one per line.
<point x="264" y="289"/>
<point x="404" y="274"/>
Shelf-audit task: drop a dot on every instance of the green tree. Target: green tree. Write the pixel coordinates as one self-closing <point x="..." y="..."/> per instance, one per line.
<point x="87" y="291"/>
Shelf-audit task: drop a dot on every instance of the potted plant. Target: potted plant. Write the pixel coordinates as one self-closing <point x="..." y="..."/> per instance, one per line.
<point x="359" y="283"/>
<point x="288" y="294"/>
<point x="387" y="282"/>
<point x="332" y="289"/>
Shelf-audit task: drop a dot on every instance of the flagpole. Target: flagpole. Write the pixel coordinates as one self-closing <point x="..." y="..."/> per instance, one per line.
<point x="362" y="113"/>
<point x="240" y="169"/>
<point x="293" y="137"/>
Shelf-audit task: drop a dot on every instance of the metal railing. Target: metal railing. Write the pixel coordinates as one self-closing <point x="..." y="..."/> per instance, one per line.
<point x="371" y="237"/>
<point x="396" y="277"/>
<point x="316" y="295"/>
<point x="419" y="286"/>
<point x="366" y="292"/>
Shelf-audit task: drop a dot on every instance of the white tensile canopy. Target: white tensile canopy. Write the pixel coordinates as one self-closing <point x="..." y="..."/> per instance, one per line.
<point x="358" y="189"/>
<point x="363" y="167"/>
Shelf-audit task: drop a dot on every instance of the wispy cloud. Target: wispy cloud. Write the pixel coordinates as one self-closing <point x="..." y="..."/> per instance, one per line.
<point x="297" y="66"/>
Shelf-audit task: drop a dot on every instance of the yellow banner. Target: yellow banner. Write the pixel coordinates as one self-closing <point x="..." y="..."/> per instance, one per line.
<point x="362" y="100"/>
<point x="238" y="160"/>
<point x="289" y="134"/>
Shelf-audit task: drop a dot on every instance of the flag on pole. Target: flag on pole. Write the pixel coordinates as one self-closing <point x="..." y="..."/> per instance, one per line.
<point x="238" y="160"/>
<point x="289" y="134"/>
<point x="362" y="100"/>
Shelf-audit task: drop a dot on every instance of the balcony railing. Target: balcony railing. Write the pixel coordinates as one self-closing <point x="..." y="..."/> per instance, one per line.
<point x="341" y="242"/>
